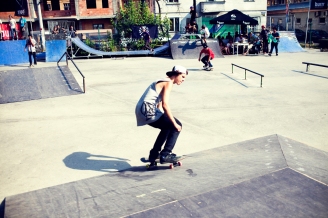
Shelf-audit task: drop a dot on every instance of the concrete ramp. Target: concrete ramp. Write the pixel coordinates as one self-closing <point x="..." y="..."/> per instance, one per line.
<point x="288" y="42"/>
<point x="90" y="50"/>
<point x="184" y="48"/>
<point x="271" y="176"/>
<point x="37" y="83"/>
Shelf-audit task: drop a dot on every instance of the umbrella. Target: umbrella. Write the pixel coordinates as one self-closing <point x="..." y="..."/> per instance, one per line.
<point x="234" y="17"/>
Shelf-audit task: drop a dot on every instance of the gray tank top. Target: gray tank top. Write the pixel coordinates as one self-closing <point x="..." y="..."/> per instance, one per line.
<point x="146" y="109"/>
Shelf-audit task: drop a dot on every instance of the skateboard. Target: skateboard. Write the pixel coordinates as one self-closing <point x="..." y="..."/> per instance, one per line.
<point x="171" y="166"/>
<point x="208" y="69"/>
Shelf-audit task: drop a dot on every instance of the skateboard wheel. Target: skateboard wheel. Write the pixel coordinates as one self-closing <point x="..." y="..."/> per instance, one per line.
<point x="147" y="166"/>
<point x="171" y="166"/>
<point x="179" y="163"/>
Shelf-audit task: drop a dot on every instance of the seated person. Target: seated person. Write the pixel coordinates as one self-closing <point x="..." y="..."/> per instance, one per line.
<point x="224" y="49"/>
<point x="238" y="38"/>
<point x="229" y="46"/>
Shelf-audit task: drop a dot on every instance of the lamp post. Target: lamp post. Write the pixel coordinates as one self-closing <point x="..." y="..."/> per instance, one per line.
<point x="41" y="24"/>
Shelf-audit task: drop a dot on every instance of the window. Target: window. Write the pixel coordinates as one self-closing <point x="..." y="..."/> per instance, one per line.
<point x="55" y="6"/>
<point x="322" y="20"/>
<point x="310" y="20"/>
<point x="48" y="7"/>
<point x="91" y="4"/>
<point x="105" y="3"/>
<point x="66" y="6"/>
<point x="174" y="24"/>
<point x="96" y="26"/>
<point x="298" y="20"/>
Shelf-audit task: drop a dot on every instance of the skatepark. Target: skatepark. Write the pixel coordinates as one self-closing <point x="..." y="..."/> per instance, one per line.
<point x="251" y="151"/>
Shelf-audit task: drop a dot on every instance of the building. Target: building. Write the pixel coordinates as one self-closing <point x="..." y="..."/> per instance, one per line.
<point x="85" y="15"/>
<point x="297" y="14"/>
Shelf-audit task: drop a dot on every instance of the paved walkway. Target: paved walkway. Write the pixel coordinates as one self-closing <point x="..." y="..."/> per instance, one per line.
<point x="217" y="108"/>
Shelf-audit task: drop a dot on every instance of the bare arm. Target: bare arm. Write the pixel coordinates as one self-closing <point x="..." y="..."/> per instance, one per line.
<point x="165" y="99"/>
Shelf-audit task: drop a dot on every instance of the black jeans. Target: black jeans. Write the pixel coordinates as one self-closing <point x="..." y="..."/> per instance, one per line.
<point x="265" y="46"/>
<point x="274" y="45"/>
<point x="206" y="62"/>
<point x="168" y="135"/>
<point x="30" y="54"/>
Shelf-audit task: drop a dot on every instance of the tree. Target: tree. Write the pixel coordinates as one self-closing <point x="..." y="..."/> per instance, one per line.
<point x="138" y="13"/>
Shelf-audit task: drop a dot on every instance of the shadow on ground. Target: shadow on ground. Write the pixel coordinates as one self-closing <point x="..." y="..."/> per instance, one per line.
<point x="87" y="161"/>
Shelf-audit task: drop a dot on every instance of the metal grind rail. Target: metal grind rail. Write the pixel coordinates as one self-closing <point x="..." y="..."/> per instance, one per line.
<point x="68" y="57"/>
<point x="249" y="71"/>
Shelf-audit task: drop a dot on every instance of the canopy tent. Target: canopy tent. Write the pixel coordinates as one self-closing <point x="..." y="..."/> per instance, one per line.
<point x="234" y="17"/>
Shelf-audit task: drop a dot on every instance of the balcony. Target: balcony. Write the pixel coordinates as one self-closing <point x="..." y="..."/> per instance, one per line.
<point x="212" y="6"/>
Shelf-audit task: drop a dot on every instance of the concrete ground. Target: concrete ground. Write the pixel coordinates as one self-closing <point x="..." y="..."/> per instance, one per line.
<point x="58" y="140"/>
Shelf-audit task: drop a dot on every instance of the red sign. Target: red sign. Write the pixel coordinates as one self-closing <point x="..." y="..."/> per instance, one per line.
<point x="5" y="29"/>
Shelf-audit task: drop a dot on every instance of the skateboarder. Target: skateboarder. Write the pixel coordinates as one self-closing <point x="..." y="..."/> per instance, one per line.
<point x="208" y="56"/>
<point x="153" y="109"/>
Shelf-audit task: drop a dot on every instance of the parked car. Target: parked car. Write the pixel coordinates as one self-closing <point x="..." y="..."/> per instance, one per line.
<point x="300" y="34"/>
<point x="316" y="35"/>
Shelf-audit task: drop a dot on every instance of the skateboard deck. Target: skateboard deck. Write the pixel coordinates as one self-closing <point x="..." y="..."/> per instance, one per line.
<point x="171" y="166"/>
<point x="208" y="69"/>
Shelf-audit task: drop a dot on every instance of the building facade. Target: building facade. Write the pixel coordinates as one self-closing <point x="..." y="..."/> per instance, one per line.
<point x="293" y="14"/>
<point x="84" y="14"/>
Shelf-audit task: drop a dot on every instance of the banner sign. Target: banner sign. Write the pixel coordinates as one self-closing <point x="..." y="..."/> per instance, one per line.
<point x="319" y="4"/>
<point x="21" y="8"/>
<point x="151" y="29"/>
<point x="5" y="29"/>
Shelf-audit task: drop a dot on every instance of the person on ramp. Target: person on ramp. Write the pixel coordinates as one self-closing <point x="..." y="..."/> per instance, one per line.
<point x="153" y="109"/>
<point x="208" y="56"/>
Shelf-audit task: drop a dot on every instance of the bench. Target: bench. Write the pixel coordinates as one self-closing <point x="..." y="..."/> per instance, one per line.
<point x="232" y="65"/>
<point x="308" y="64"/>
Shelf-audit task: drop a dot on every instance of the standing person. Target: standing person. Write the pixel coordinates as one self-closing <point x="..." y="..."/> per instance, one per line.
<point x="1" y="31"/>
<point x="12" y="24"/>
<point x="72" y="31"/>
<point x="193" y="15"/>
<point x="205" y="33"/>
<point x="264" y="37"/>
<point x="153" y="109"/>
<point x="146" y="37"/>
<point x="229" y="37"/>
<point x="275" y="41"/>
<point x="208" y="56"/>
<point x="30" y="45"/>
<point x="22" y="22"/>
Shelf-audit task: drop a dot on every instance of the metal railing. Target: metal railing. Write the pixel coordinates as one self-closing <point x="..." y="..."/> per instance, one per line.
<point x="68" y="57"/>
<point x="248" y="70"/>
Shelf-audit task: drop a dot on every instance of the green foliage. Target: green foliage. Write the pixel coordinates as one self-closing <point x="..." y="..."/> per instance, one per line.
<point x="137" y="13"/>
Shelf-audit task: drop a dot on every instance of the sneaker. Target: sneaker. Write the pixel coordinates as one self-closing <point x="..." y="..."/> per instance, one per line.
<point x="31" y="65"/>
<point x="276" y="54"/>
<point x="152" y="166"/>
<point x="205" y="66"/>
<point x="170" y="158"/>
<point x="269" y="54"/>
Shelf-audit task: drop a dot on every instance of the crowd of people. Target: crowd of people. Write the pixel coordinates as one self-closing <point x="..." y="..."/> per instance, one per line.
<point x="13" y="31"/>
<point x="254" y="43"/>
<point x="61" y="30"/>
